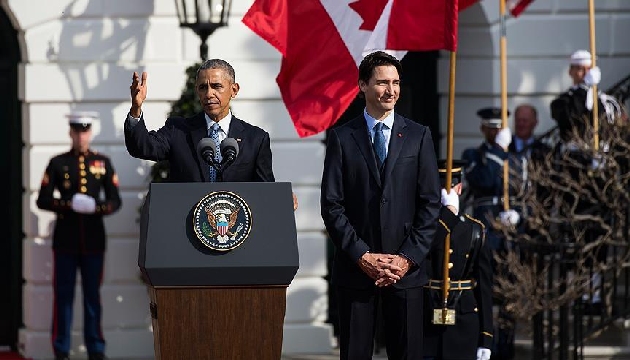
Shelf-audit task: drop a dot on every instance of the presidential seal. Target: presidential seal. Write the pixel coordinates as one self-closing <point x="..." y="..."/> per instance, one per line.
<point x="222" y="220"/>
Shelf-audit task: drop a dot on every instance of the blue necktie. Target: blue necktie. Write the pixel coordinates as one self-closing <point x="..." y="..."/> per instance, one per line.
<point x="380" y="148"/>
<point x="214" y="135"/>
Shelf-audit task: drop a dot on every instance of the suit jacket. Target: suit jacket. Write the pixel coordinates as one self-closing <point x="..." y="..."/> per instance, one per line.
<point x="177" y="141"/>
<point x="391" y="211"/>
<point x="473" y="309"/>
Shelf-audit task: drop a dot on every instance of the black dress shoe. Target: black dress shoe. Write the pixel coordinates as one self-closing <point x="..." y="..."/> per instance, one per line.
<point x="97" y="356"/>
<point x="60" y="356"/>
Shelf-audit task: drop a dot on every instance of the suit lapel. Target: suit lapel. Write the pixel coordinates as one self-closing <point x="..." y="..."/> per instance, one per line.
<point x="236" y="130"/>
<point x="199" y="131"/>
<point x="362" y="138"/>
<point x="396" y="141"/>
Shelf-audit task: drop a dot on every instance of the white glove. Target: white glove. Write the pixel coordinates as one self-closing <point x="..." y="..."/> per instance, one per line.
<point x="504" y="138"/>
<point x="451" y="199"/>
<point x="509" y="217"/>
<point x="593" y="76"/>
<point x="83" y="204"/>
<point x="483" y="354"/>
<point x="598" y="162"/>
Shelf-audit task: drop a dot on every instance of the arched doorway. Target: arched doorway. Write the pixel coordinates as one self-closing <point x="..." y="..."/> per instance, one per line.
<point x="11" y="169"/>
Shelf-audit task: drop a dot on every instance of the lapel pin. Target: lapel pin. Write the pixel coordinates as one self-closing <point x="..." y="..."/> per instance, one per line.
<point x="399" y="135"/>
<point x="238" y="139"/>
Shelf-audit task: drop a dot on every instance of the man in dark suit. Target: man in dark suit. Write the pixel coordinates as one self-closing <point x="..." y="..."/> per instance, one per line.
<point x="380" y="201"/>
<point x="177" y="140"/>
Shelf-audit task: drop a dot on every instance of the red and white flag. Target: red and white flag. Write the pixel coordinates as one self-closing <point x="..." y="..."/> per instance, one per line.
<point x="323" y="41"/>
<point x="518" y="6"/>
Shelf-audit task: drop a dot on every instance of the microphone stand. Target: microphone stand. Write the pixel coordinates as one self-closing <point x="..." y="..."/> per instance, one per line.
<point x="220" y="167"/>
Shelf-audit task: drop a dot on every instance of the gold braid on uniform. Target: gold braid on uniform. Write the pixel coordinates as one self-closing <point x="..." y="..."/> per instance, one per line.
<point x="483" y="227"/>
<point x="445" y="227"/>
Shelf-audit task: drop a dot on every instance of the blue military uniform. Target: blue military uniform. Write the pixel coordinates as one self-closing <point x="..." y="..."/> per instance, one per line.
<point x="79" y="237"/>
<point x="484" y="178"/>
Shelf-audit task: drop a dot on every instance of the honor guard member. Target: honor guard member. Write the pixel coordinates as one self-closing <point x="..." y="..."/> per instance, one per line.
<point x="484" y="177"/>
<point x="484" y="173"/>
<point x="80" y="186"/>
<point x="458" y="318"/>
<point x="573" y="112"/>
<point x="570" y="108"/>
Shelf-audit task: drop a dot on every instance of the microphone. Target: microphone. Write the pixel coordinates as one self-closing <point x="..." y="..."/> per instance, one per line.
<point x="229" y="151"/>
<point x="206" y="148"/>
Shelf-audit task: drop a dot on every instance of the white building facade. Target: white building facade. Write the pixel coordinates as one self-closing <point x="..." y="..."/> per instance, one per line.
<point x="80" y="55"/>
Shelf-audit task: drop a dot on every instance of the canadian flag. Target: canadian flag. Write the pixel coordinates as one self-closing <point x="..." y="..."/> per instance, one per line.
<point x="323" y="41"/>
<point x="518" y="6"/>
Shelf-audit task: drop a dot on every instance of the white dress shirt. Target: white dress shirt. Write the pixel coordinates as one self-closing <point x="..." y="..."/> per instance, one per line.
<point x="387" y="129"/>
<point x="224" y="125"/>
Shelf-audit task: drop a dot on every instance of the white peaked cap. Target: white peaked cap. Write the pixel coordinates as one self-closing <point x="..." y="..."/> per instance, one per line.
<point x="82" y="117"/>
<point x="581" y="58"/>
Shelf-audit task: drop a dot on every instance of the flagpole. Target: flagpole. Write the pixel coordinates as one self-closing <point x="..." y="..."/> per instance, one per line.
<point x="504" y="116"/>
<point x="591" y="26"/>
<point x="446" y="288"/>
<point x="451" y="120"/>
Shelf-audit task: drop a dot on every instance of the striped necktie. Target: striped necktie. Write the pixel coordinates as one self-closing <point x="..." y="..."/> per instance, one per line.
<point x="213" y="133"/>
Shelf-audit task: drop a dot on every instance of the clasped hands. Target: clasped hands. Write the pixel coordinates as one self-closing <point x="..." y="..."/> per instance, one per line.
<point x="384" y="269"/>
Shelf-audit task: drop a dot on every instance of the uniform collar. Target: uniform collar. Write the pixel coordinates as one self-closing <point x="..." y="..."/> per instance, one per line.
<point x="80" y="153"/>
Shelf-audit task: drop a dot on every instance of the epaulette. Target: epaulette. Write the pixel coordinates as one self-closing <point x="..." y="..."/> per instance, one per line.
<point x="475" y="220"/>
<point x="444" y="225"/>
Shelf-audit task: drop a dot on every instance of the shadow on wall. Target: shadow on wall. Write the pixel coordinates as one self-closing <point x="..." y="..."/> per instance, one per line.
<point x="91" y="48"/>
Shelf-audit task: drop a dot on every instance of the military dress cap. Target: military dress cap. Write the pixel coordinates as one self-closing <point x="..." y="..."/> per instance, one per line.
<point x="491" y="117"/>
<point x="81" y="120"/>
<point x="581" y="58"/>
<point x="457" y="169"/>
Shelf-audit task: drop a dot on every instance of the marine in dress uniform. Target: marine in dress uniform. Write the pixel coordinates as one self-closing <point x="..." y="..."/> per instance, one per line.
<point x="468" y="335"/>
<point x="79" y="176"/>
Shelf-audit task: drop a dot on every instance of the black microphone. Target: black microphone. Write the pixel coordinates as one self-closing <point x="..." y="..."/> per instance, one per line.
<point x="229" y="151"/>
<point x="206" y="148"/>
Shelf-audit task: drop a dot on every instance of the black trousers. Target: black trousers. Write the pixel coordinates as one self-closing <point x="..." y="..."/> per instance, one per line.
<point x="402" y="321"/>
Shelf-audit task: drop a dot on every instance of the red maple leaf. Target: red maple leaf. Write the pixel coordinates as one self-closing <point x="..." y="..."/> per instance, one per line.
<point x="370" y="11"/>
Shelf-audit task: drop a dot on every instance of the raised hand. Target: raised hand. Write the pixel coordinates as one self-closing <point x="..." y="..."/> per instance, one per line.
<point x="138" y="90"/>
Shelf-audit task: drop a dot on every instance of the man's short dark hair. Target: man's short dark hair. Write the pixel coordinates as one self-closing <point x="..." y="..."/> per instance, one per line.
<point x="377" y="58"/>
<point x="218" y="64"/>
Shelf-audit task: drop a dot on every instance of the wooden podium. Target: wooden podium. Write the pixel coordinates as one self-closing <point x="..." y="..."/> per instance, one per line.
<point x="217" y="304"/>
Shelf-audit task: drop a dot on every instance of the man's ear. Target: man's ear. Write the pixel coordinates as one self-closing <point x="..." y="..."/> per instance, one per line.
<point x="362" y="85"/>
<point x="235" y="88"/>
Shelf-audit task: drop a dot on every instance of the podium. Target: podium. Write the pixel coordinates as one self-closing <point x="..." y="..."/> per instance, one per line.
<point x="218" y="258"/>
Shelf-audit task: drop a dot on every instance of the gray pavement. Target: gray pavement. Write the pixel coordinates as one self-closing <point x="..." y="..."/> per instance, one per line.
<point x="335" y="356"/>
